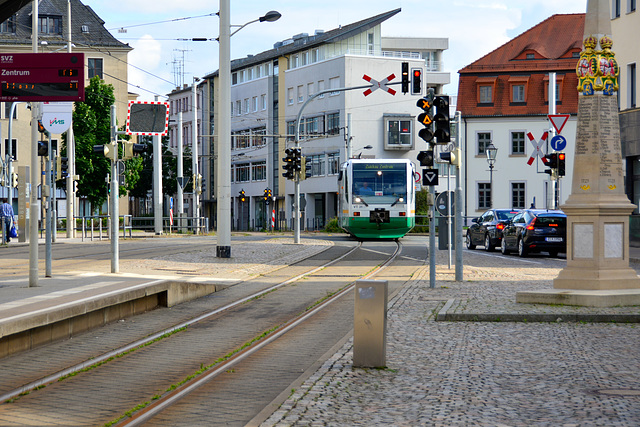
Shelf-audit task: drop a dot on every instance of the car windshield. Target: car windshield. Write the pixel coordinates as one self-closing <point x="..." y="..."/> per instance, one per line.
<point x="504" y="215"/>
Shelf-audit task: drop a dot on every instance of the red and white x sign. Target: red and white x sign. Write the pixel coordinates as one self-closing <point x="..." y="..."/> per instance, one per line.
<point x="537" y="146"/>
<point x="375" y="85"/>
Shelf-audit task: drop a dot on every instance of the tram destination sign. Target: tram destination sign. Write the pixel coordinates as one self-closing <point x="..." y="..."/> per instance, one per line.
<point x="41" y="77"/>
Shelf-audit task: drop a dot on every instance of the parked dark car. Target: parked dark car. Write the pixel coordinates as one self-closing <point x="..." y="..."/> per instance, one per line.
<point x="536" y="230"/>
<point x="487" y="229"/>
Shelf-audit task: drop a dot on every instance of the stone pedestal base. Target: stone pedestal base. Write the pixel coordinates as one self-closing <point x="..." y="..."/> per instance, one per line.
<point x="585" y="298"/>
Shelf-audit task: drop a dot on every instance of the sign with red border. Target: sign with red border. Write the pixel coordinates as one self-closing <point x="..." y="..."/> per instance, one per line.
<point x="558" y="121"/>
<point x="147" y="118"/>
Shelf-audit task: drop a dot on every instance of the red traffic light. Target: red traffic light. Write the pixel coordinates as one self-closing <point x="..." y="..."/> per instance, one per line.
<point x="561" y="156"/>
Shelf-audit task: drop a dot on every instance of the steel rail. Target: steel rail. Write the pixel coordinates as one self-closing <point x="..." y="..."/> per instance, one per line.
<point x="144" y="341"/>
<point x="157" y="406"/>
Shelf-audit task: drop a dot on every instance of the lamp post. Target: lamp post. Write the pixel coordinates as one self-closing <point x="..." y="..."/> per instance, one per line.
<point x="223" y="183"/>
<point x="491" y="152"/>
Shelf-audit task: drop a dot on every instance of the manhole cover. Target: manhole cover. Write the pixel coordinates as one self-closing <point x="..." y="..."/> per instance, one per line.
<point x="619" y="392"/>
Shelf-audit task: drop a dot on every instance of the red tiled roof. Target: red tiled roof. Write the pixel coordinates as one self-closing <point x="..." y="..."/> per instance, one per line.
<point x="552" y="43"/>
<point x="549" y="40"/>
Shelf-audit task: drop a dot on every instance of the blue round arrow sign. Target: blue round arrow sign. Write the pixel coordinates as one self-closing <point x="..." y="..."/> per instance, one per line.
<point x="558" y="142"/>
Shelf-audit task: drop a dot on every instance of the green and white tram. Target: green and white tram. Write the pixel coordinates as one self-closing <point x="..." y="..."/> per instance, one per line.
<point x="376" y="198"/>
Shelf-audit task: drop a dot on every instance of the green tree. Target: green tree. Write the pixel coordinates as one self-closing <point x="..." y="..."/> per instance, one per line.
<point x="169" y="170"/>
<point x="92" y="126"/>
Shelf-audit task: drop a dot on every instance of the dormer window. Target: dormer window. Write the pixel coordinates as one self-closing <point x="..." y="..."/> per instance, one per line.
<point x="531" y="56"/>
<point x="8" y="26"/>
<point x="50" y="25"/>
<point x="84" y="29"/>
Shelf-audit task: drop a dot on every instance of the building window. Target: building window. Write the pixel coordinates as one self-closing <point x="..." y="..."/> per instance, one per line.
<point x="291" y="131"/>
<point x="486" y="94"/>
<point x="7" y="111"/>
<point x="300" y="93"/>
<point x="258" y="137"/>
<point x="484" y="195"/>
<point x="263" y="101"/>
<point x="333" y="124"/>
<point x="14" y="148"/>
<point x="517" y="195"/>
<point x="246" y="106"/>
<point x="334" y="83"/>
<point x="50" y="24"/>
<point x="370" y="44"/>
<point x="242" y="172"/>
<point x="238" y="107"/>
<point x="399" y="133"/>
<point x="317" y="164"/>
<point x="632" y="87"/>
<point x="310" y="126"/>
<point x="9" y="26"/>
<point x="632" y="6"/>
<point x="320" y="88"/>
<point x="234" y="78"/>
<point x="333" y="159"/>
<point x="517" y="143"/>
<point x="232" y="109"/>
<point x="95" y="66"/>
<point x="290" y="96"/>
<point x="518" y="93"/>
<point x="484" y="139"/>
<point x="310" y="89"/>
<point x="254" y="102"/>
<point x="531" y="56"/>
<point x="259" y="171"/>
<point x="616" y="8"/>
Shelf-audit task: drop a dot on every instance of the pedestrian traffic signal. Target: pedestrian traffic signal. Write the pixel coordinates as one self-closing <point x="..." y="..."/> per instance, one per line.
<point x="405" y="77"/>
<point x="416" y="81"/>
<point x="441" y="119"/>
<point x="425" y="118"/>
<point x="14" y="180"/>
<point x="242" y="198"/>
<point x="426" y="158"/>
<point x="62" y="167"/>
<point x="561" y="164"/>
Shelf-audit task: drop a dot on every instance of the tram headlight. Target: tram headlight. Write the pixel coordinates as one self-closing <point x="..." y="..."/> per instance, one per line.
<point x="401" y="200"/>
<point x="358" y="200"/>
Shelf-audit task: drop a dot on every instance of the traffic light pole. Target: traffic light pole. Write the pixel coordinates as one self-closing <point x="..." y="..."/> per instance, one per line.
<point x="47" y="208"/>
<point x="115" y="213"/>
<point x="459" y="275"/>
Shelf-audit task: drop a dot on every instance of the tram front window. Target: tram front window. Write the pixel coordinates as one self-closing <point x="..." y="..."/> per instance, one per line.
<point x="379" y="183"/>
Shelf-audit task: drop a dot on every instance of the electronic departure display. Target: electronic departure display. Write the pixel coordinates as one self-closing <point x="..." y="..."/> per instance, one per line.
<point x="45" y="77"/>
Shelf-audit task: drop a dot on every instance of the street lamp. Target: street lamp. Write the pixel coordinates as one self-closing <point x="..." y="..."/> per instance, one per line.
<point x="491" y="152"/>
<point x="223" y="183"/>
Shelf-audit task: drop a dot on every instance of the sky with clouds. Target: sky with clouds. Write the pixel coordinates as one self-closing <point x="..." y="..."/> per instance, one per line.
<point x="157" y="30"/>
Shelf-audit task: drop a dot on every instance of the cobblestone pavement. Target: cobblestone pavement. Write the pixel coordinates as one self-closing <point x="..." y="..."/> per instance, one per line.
<point x="480" y="373"/>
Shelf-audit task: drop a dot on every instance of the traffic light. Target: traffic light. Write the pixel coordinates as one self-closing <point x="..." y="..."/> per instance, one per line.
<point x="561" y="164"/>
<point x="131" y="150"/>
<point x="441" y="119"/>
<point x="14" y="180"/>
<point x="41" y="128"/>
<point x="62" y="167"/>
<point x="203" y="185"/>
<point x="110" y="151"/>
<point x="199" y="184"/>
<point x="416" y="81"/>
<point x="297" y="159"/>
<point x="405" y="77"/>
<point x="242" y="198"/>
<point x="306" y="169"/>
<point x="288" y="163"/>
<point x="43" y="149"/>
<point x="266" y="195"/>
<point x="425" y="118"/>
<point x="426" y="158"/>
<point x="451" y="157"/>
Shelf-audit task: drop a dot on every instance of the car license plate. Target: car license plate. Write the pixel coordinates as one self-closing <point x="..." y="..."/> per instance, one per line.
<point x="553" y="239"/>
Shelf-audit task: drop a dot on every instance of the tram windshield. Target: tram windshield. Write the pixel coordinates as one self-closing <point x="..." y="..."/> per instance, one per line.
<point x="380" y="183"/>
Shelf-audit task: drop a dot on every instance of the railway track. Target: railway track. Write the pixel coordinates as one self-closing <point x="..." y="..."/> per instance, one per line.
<point x="150" y="376"/>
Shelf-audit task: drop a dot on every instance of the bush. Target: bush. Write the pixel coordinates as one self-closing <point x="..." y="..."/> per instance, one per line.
<point x="333" y="226"/>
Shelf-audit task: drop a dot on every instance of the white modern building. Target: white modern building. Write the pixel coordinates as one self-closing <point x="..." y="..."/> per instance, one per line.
<point x="270" y="89"/>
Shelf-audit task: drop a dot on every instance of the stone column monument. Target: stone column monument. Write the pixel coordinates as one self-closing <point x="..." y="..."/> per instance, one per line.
<point x="597" y="271"/>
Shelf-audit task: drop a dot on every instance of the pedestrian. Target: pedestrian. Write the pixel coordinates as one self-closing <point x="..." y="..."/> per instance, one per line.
<point x="6" y="215"/>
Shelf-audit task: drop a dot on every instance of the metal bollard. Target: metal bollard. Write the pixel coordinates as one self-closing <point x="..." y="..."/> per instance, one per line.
<point x="370" y="324"/>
